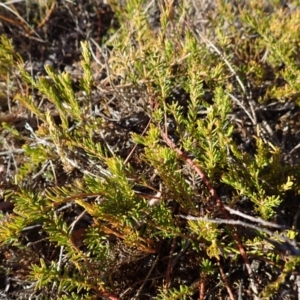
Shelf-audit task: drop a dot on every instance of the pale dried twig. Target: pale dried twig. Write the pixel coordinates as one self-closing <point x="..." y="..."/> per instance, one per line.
<point x="285" y="245"/>
<point x="258" y="220"/>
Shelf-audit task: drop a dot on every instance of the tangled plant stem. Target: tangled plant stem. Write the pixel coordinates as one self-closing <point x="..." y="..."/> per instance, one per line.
<point x="219" y="203"/>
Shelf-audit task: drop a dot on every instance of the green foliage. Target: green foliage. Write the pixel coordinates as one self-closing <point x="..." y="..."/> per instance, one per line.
<point x="207" y="267"/>
<point x="63" y="280"/>
<point x="174" y="294"/>
<point x="109" y="191"/>
<point x="7" y="57"/>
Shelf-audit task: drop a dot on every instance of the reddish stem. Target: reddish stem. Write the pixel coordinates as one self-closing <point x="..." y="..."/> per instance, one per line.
<point x="229" y="291"/>
<point x="202" y="290"/>
<point x="217" y="200"/>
